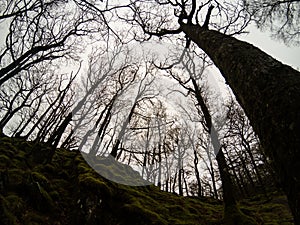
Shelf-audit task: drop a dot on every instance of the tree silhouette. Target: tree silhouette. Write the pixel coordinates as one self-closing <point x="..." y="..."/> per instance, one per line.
<point x="40" y="31"/>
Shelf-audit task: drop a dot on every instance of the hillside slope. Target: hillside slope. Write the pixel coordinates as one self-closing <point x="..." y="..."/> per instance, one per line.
<point x="66" y="191"/>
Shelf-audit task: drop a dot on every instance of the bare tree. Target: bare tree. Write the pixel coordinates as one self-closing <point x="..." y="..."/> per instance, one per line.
<point x="144" y="91"/>
<point x="241" y="140"/>
<point x="40" y="31"/>
<point x="192" y="84"/>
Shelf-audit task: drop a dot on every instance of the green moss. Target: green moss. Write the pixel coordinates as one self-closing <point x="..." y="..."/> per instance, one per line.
<point x="38" y="177"/>
<point x="118" y="172"/>
<point x="38" y="197"/>
<point x="234" y="216"/>
<point x="138" y="214"/>
<point x="7" y="147"/>
<point x="83" y="167"/>
<point x="14" y="203"/>
<point x="5" y="161"/>
<point x="68" y="191"/>
<point x="54" y="195"/>
<point x="46" y="168"/>
<point x="88" y="181"/>
<point x="12" y="207"/>
<point x="7" y="217"/>
<point x="47" y="200"/>
<point x="33" y="218"/>
<point x="78" y="159"/>
<point x="17" y="176"/>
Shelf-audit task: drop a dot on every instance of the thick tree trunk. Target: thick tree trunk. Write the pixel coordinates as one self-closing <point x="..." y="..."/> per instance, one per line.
<point x="269" y="92"/>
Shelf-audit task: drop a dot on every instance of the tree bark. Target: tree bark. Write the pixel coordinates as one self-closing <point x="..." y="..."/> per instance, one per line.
<point x="269" y="92"/>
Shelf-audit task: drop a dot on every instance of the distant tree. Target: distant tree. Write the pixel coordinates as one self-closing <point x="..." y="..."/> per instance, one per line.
<point x="102" y="69"/>
<point x="151" y="126"/>
<point x="180" y="145"/>
<point x="56" y="110"/>
<point x="191" y="82"/>
<point x="61" y="90"/>
<point x="144" y="91"/>
<point x="209" y="162"/>
<point x="25" y="97"/>
<point x="243" y="147"/>
<point x="195" y="146"/>
<point x="17" y="96"/>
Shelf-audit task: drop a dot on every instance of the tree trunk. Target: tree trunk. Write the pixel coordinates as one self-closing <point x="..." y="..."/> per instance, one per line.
<point x="197" y="174"/>
<point x="232" y="214"/>
<point x="180" y="186"/>
<point x="239" y="182"/>
<point x="213" y="178"/>
<point x="228" y="193"/>
<point x="269" y="92"/>
<point x="125" y="124"/>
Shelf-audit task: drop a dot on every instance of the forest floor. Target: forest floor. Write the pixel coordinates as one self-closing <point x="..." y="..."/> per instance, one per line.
<point x="66" y="191"/>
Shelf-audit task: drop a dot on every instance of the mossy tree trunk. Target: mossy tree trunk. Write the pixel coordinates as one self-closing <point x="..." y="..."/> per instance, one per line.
<point x="269" y="92"/>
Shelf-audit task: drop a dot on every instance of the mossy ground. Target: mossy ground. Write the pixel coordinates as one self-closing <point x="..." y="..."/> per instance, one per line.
<point x="67" y="191"/>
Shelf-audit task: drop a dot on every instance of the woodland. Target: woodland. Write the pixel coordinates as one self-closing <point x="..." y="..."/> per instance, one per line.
<point x="147" y="112"/>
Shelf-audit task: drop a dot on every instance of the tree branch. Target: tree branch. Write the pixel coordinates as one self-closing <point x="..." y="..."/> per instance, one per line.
<point x="206" y="22"/>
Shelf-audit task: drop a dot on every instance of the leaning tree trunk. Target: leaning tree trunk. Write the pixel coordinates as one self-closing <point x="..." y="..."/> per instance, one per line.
<point x="269" y="92"/>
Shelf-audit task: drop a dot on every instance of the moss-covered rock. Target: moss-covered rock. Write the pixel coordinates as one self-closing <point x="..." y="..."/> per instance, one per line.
<point x="89" y="182"/>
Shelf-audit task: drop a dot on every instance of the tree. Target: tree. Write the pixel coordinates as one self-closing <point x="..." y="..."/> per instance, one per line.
<point x="232" y="213"/>
<point x="18" y="96"/>
<point x="195" y="146"/>
<point x="267" y="90"/>
<point x="103" y="67"/>
<point x="45" y="120"/>
<point x="243" y="149"/>
<point x="280" y="17"/>
<point x="269" y="95"/>
<point x="150" y="127"/>
<point x="144" y="91"/>
<point x="28" y="98"/>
